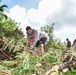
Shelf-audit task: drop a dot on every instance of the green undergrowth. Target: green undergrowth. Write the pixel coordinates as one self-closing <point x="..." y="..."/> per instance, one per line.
<point x="71" y="71"/>
<point x="28" y="64"/>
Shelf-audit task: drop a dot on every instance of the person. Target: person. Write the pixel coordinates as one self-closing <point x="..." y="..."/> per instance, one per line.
<point x="74" y="44"/>
<point x="68" y="44"/>
<point x="35" y="38"/>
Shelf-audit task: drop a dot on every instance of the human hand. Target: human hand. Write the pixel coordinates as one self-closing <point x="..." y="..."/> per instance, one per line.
<point x="31" y="47"/>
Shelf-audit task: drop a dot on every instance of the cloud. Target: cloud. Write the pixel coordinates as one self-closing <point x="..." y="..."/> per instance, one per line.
<point x="62" y="12"/>
<point x="65" y="19"/>
<point x="45" y="8"/>
<point x="18" y="14"/>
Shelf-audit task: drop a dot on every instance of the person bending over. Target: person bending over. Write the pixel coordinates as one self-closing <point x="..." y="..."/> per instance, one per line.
<point x="35" y="38"/>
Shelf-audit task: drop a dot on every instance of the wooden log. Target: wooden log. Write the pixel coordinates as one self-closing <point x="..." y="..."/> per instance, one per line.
<point x="5" y="54"/>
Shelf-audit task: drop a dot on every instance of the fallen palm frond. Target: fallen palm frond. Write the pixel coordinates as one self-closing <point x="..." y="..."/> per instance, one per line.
<point x="68" y="60"/>
<point x="5" y="54"/>
<point x="5" y="72"/>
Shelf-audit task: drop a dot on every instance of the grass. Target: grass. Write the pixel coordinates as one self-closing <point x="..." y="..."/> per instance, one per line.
<point x="27" y="63"/>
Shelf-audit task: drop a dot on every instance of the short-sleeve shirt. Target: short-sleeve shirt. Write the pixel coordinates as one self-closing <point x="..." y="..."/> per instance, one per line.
<point x="68" y="44"/>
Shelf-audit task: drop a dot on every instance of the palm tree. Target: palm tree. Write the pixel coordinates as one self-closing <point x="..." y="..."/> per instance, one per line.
<point x="2" y="15"/>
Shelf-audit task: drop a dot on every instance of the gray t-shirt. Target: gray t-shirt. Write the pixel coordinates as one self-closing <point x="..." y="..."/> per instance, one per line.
<point x="35" y="37"/>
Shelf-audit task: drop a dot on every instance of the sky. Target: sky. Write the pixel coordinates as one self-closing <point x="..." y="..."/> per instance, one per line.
<point x="38" y="13"/>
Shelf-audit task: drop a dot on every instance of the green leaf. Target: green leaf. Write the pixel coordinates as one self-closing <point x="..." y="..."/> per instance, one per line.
<point x="72" y="69"/>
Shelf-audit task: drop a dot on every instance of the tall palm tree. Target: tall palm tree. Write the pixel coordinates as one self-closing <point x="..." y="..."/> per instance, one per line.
<point x="2" y="15"/>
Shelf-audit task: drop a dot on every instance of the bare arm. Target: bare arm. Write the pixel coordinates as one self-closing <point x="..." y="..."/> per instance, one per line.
<point x="35" y="38"/>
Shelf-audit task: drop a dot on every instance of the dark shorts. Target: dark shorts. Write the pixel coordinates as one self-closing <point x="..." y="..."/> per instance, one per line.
<point x="41" y="41"/>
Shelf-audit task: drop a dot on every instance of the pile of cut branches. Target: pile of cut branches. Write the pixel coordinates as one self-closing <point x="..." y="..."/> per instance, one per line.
<point x="68" y="60"/>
